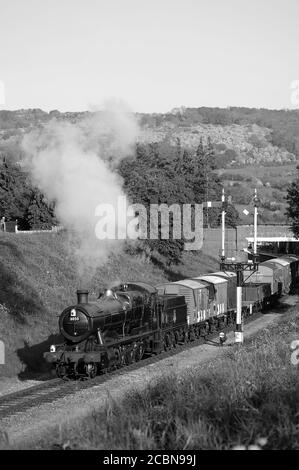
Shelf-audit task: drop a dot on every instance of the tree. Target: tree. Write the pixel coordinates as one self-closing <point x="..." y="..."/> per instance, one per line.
<point x="206" y="185"/>
<point x="18" y="200"/>
<point x="210" y="155"/>
<point x="165" y="174"/>
<point x="14" y="192"/>
<point x="200" y="154"/>
<point x="293" y="206"/>
<point x="232" y="217"/>
<point x="39" y="214"/>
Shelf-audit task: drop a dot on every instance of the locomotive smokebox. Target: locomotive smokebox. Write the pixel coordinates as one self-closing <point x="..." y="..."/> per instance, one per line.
<point x="82" y="296"/>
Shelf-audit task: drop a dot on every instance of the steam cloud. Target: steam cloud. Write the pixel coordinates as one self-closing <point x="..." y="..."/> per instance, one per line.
<point x="74" y="165"/>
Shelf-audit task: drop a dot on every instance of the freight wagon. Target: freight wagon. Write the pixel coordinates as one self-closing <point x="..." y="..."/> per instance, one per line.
<point x="285" y="266"/>
<point x="198" y="299"/>
<point x="266" y="274"/>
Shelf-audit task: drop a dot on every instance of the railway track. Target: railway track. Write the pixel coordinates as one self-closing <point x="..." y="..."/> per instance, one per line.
<point x="54" y="389"/>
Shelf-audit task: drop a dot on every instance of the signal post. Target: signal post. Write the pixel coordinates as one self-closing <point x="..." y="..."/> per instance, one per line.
<point x="239" y="267"/>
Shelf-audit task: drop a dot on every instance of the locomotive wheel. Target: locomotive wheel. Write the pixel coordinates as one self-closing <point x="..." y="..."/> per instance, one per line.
<point x="130" y="355"/>
<point x="91" y="370"/>
<point x="166" y="342"/>
<point x="192" y="336"/>
<point x="172" y="340"/>
<point x="197" y="333"/>
<point x="119" y="357"/>
<point x="116" y="358"/>
<point x="61" y="371"/>
<point x="169" y="341"/>
<point x="104" y="365"/>
<point x="139" y="352"/>
<point x="185" y="337"/>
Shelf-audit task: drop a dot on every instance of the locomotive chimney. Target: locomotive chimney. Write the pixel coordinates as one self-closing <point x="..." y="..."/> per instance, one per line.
<point x="82" y="296"/>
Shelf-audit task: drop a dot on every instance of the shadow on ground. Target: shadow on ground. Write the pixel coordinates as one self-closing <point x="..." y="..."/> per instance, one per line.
<point x="281" y="307"/>
<point x="32" y="357"/>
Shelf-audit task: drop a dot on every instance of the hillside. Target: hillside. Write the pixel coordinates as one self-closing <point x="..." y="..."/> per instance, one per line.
<point x="235" y="144"/>
<point x="241" y="136"/>
<point x="280" y="127"/>
<point x="253" y="147"/>
<point x="38" y="280"/>
<point x="271" y="183"/>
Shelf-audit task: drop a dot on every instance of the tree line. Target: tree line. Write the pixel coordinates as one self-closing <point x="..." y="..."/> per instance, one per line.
<point x="21" y="201"/>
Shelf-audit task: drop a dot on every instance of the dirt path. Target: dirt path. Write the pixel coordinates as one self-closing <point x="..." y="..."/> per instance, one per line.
<point x="32" y="423"/>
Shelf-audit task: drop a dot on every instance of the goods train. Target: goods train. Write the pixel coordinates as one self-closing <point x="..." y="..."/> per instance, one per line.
<point x="136" y="319"/>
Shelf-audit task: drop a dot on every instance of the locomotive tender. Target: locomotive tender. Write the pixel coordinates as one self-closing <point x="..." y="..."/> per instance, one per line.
<point x="136" y="319"/>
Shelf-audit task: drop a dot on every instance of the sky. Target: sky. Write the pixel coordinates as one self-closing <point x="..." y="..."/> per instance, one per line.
<point x="155" y="55"/>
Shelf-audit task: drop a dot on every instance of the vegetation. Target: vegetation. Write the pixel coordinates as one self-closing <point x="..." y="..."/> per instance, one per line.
<point x="167" y="174"/>
<point x="282" y="125"/>
<point x="232" y="218"/>
<point x="272" y="183"/>
<point x="293" y="205"/>
<point x="247" y="397"/>
<point x="19" y="200"/>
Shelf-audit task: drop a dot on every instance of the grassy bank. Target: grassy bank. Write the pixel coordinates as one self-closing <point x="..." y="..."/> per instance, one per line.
<point x="248" y="396"/>
<point x="38" y="278"/>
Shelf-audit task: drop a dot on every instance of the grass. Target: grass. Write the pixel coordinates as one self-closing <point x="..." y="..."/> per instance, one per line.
<point x="265" y="173"/>
<point x="249" y="396"/>
<point x="38" y="279"/>
<point x="271" y="182"/>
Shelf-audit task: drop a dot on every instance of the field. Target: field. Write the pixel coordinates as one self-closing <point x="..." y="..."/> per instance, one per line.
<point x="271" y="183"/>
<point x="38" y="279"/>
<point x="246" y="398"/>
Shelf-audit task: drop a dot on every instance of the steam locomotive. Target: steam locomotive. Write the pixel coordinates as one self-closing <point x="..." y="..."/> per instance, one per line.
<point x="124" y="324"/>
<point x="136" y="319"/>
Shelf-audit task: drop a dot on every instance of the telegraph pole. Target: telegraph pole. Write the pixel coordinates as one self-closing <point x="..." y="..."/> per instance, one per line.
<point x="207" y="196"/>
<point x="239" y="335"/>
<point x="223" y="226"/>
<point x="255" y="202"/>
<point x="229" y="264"/>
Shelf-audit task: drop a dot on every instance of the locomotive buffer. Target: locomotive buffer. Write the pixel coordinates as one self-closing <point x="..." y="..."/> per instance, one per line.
<point x="239" y="267"/>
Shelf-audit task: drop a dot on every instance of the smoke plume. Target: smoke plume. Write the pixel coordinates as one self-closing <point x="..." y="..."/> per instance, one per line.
<point x="74" y="164"/>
